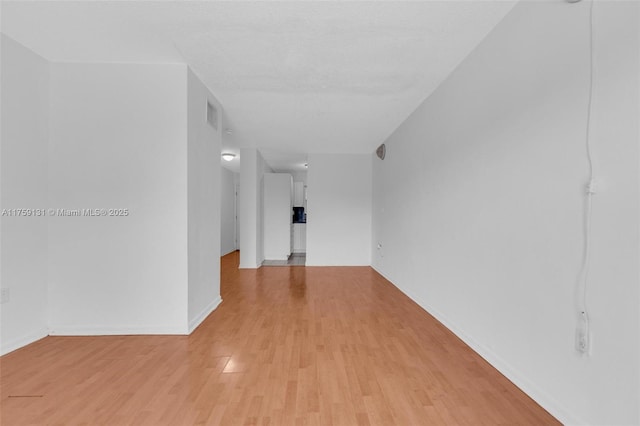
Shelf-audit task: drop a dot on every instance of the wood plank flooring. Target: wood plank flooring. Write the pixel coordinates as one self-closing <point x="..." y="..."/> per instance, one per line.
<point x="288" y="346"/>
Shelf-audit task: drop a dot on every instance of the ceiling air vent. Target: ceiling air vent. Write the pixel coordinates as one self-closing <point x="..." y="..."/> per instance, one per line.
<point x="381" y="151"/>
<point x="212" y="115"/>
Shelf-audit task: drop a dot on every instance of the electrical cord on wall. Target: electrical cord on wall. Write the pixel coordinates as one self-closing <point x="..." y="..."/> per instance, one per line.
<point x="582" y="331"/>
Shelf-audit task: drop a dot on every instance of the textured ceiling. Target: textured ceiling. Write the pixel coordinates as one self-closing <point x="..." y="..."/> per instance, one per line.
<point x="294" y="77"/>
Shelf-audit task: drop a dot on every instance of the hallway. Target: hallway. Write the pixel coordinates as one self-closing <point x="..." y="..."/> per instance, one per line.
<point x="304" y="346"/>
<point x="296" y="259"/>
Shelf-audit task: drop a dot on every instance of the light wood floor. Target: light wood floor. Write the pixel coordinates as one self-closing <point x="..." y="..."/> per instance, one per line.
<point x="303" y="346"/>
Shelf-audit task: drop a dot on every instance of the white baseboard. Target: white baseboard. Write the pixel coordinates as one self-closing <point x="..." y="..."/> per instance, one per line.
<point x="275" y="257"/>
<point x="521" y="381"/>
<point x="123" y="330"/>
<point x="332" y="264"/>
<point x="18" y="343"/>
<point x="64" y="330"/>
<point x="194" y="323"/>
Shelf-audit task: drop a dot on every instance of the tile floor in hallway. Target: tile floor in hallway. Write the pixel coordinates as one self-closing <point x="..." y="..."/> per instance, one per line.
<point x="296" y="259"/>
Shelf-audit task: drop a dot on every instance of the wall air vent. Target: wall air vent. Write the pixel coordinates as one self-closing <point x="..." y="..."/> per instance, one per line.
<point x="212" y="115"/>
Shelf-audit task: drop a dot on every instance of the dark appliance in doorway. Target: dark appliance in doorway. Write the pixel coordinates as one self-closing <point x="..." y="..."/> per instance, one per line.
<point x="298" y="215"/>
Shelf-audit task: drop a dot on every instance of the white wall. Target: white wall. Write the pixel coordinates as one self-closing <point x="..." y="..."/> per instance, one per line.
<point x="250" y="204"/>
<point x="277" y="215"/>
<point x="300" y="177"/>
<point x="118" y="139"/>
<point x="479" y="206"/>
<point x="339" y="210"/>
<point x="248" y="208"/>
<point x="262" y="168"/>
<point x="25" y="122"/>
<point x="203" y="202"/>
<point x="228" y="211"/>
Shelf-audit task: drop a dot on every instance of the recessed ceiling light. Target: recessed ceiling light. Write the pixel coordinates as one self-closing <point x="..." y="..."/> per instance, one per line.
<point x="227" y="156"/>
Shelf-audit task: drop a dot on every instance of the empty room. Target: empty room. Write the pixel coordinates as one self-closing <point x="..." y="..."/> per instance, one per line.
<point x="320" y="212"/>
